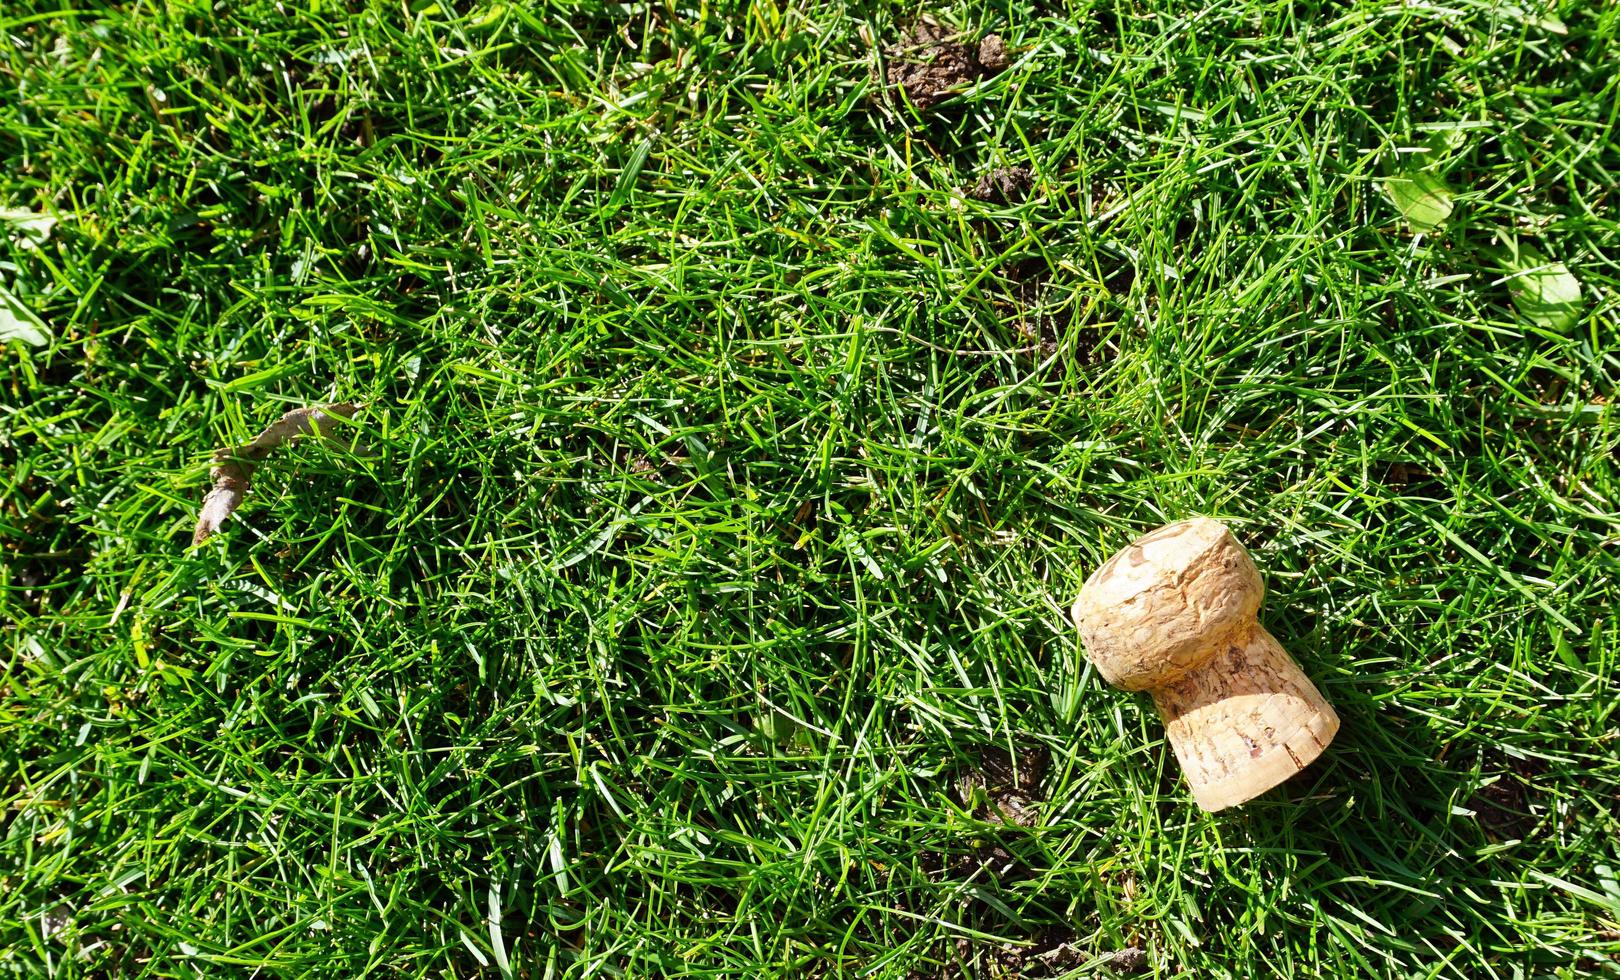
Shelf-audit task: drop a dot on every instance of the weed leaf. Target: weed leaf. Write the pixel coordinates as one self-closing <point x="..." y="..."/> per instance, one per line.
<point x="1423" y="199"/>
<point x="31" y="226"/>
<point x="1545" y="292"/>
<point x="18" y="322"/>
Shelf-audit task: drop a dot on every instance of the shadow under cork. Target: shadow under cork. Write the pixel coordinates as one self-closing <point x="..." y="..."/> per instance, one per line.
<point x="1392" y="825"/>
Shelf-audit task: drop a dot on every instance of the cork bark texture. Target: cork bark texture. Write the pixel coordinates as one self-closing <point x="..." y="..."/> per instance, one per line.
<point x="1174" y="613"/>
<point x="1245" y="721"/>
<point x="1166" y="603"/>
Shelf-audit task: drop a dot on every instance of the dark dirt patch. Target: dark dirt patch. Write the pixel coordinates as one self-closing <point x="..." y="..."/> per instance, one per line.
<point x="1607" y="936"/>
<point x="964" y="864"/>
<point x="1003" y="789"/>
<point x="1003" y="184"/>
<point x="1001" y="962"/>
<point x="992" y="54"/>
<point x="40" y="549"/>
<point x="1062" y="955"/>
<point x="1055" y="950"/>
<point x="1027" y="288"/>
<point x="1503" y="808"/>
<point x="31" y="575"/>
<point x="931" y="63"/>
<point x="1401" y="474"/>
<point x="1052" y="953"/>
<point x="996" y="787"/>
<point x="1131" y="959"/>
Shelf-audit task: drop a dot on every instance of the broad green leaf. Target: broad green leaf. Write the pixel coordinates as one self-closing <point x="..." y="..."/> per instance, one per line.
<point x="18" y="322"/>
<point x="1423" y="199"/>
<point x="32" y="226"/>
<point x="1438" y="144"/>
<point x="1546" y="292"/>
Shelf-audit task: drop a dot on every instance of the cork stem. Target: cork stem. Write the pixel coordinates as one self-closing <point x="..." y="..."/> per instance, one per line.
<point x="1245" y="720"/>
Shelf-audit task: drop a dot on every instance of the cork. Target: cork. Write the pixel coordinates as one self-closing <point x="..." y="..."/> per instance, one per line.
<point x="1175" y="613"/>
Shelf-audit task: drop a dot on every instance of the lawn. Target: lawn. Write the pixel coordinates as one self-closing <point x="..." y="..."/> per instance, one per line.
<point x="688" y="595"/>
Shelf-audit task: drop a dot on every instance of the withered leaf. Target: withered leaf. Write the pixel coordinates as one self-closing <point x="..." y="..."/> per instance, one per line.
<point x="232" y="471"/>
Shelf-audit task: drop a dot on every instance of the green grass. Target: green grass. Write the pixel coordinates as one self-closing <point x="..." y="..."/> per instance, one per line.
<point x="727" y="474"/>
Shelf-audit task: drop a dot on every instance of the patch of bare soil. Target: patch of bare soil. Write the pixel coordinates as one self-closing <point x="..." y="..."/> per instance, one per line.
<point x="1002" y="789"/>
<point x="1131" y="959"/>
<point x="932" y="63"/>
<point x="1050" y="954"/>
<point x="1503" y="808"/>
<point x="1027" y="300"/>
<point x="1003" y="184"/>
<point x="40" y="549"/>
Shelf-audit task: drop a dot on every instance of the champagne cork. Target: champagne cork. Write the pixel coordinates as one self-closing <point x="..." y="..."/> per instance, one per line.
<point x="1175" y="614"/>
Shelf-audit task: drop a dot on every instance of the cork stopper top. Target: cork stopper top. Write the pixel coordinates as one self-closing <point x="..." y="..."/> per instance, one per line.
<point x="1165" y="603"/>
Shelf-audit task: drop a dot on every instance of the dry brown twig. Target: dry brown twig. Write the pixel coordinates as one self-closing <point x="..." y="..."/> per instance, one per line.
<point x="233" y="467"/>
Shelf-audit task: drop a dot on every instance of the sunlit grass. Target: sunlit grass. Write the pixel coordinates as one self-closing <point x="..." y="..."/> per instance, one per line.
<point x="694" y="596"/>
